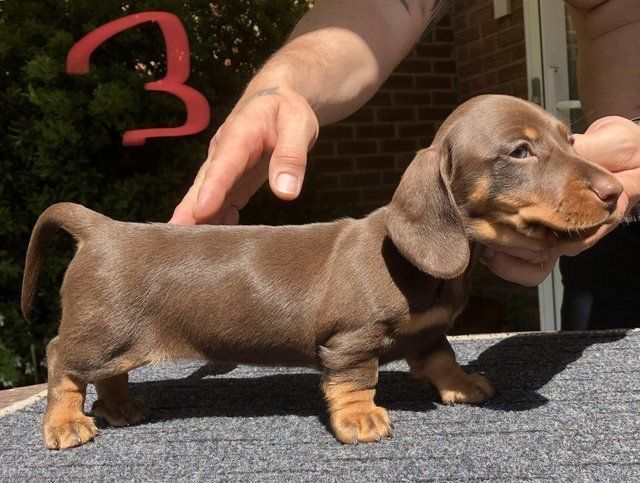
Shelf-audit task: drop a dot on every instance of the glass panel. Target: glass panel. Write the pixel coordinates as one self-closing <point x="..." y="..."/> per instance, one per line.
<point x="578" y="121"/>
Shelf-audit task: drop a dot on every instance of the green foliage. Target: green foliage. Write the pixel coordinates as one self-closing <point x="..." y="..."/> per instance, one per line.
<point x="61" y="135"/>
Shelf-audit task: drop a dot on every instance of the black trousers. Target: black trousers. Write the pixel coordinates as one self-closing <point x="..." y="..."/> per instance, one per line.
<point x="602" y="284"/>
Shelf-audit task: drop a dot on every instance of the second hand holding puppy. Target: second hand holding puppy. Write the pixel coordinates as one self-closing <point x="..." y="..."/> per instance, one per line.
<point x="613" y="142"/>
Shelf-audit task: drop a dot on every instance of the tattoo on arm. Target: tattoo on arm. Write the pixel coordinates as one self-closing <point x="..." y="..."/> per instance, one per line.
<point x="267" y="92"/>
<point x="438" y="9"/>
<point x="271" y="91"/>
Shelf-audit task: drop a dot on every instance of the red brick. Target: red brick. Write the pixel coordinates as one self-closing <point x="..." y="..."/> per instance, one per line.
<point x="336" y="131"/>
<point x="462" y="52"/>
<point x="404" y="159"/>
<point x="359" y="180"/>
<point x="435" y="51"/>
<point x="391" y="177"/>
<point x="364" y="114"/>
<point x="358" y="146"/>
<point x="396" y="114"/>
<point x="492" y="26"/>
<point x="382" y="195"/>
<point x="412" y="98"/>
<point x="444" y="67"/>
<point x="323" y="147"/>
<point x="415" y="66"/>
<point x="332" y="197"/>
<point x="484" y="81"/>
<point x="398" y="145"/>
<point x="459" y="23"/>
<point x="470" y="68"/>
<point x="520" y="88"/>
<point x="482" y="46"/>
<point x="333" y="164"/>
<point x="418" y="130"/>
<point x="516" y="17"/>
<point x="473" y="4"/>
<point x="518" y="52"/>
<point x="485" y="12"/>
<point x="375" y="161"/>
<point x="427" y="38"/>
<point x="398" y="81"/>
<point x="433" y="82"/>
<point x="512" y="72"/>
<point x="325" y="180"/>
<point x="433" y="113"/>
<point x="445" y="21"/>
<point x="382" y="98"/>
<point x="463" y="88"/>
<point x="375" y="131"/>
<point x="467" y="35"/>
<point x="496" y="60"/>
<point x="511" y="36"/>
<point x="444" y="35"/>
<point x="444" y="98"/>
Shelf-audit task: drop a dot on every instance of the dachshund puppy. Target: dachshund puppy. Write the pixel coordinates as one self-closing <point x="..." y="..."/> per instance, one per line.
<point x="343" y="297"/>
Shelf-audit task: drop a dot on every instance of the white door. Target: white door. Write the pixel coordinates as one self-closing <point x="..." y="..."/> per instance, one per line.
<point x="551" y="76"/>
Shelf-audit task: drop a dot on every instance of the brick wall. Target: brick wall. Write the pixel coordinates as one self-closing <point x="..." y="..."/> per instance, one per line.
<point x="359" y="161"/>
<point x="490" y="53"/>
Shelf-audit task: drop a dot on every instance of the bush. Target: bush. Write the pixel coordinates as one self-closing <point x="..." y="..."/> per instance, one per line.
<point x="61" y="134"/>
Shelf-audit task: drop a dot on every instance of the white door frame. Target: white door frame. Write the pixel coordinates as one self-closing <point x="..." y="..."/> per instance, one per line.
<point x="548" y="86"/>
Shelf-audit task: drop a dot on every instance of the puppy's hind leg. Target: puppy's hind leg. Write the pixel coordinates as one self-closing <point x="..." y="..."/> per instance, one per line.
<point x="115" y="405"/>
<point x="438" y="366"/>
<point x="65" y="424"/>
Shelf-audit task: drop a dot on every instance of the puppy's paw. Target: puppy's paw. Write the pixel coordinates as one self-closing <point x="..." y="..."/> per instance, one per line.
<point x="360" y="422"/>
<point x="66" y="432"/>
<point x="122" y="411"/>
<point x="469" y="389"/>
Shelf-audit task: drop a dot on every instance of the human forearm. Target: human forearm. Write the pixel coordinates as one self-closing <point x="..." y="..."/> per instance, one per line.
<point x="341" y="52"/>
<point x="336" y="58"/>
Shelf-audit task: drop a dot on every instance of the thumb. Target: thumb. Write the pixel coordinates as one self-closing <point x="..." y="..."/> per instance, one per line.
<point x="594" y="146"/>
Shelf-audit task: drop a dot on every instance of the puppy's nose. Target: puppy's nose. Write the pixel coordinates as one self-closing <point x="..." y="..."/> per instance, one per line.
<point x="608" y="190"/>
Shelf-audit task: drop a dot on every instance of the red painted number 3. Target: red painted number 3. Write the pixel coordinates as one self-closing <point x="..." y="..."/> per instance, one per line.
<point x="178" y="66"/>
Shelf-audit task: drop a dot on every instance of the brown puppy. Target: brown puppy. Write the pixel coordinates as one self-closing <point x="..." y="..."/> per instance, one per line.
<point x="343" y="297"/>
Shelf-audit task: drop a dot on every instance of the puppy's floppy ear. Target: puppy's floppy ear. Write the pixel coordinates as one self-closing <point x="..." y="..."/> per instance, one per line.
<point x="423" y="220"/>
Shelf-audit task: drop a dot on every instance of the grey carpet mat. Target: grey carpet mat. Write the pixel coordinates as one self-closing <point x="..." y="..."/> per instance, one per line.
<point x="567" y="409"/>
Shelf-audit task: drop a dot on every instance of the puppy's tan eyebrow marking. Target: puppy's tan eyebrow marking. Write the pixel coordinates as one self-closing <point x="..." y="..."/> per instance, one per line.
<point x="531" y="132"/>
<point x="564" y="131"/>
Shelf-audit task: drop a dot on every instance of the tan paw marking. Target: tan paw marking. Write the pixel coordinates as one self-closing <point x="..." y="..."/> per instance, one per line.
<point x="122" y="411"/>
<point x="61" y="433"/>
<point x="361" y="423"/>
<point x="470" y="389"/>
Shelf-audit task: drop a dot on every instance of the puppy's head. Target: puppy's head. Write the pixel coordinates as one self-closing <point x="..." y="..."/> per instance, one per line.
<point x="500" y="170"/>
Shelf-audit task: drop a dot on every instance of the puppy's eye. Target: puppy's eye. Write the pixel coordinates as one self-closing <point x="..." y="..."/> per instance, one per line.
<point x="571" y="140"/>
<point x="520" y="152"/>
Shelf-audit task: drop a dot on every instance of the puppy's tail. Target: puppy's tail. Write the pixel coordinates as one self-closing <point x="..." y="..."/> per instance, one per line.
<point x="73" y="218"/>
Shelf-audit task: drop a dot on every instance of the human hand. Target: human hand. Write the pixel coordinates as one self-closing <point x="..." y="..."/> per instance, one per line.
<point x="612" y="142"/>
<point x="266" y="136"/>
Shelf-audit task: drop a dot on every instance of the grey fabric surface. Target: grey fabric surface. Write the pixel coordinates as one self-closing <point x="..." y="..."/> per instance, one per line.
<point x="567" y="409"/>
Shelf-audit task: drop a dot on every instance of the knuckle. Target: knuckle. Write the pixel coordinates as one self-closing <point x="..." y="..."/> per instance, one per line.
<point x="290" y="156"/>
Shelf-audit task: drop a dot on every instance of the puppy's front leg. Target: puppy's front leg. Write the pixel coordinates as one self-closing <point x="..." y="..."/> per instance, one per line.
<point x="349" y="388"/>
<point x="438" y="367"/>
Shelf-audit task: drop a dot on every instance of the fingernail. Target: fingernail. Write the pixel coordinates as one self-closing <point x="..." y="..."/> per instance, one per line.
<point x="287" y="183"/>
